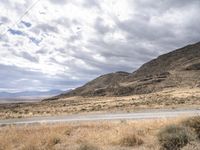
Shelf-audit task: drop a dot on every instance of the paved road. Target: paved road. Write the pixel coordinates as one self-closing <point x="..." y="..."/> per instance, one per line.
<point x="150" y="114"/>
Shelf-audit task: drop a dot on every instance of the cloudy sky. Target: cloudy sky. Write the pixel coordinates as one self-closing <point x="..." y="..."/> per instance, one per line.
<point x="62" y="44"/>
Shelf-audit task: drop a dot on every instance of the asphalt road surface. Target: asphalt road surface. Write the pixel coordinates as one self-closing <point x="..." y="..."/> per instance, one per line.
<point x="150" y="114"/>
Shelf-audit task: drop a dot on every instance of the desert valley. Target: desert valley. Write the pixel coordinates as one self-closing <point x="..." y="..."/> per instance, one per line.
<point x="99" y="75"/>
<point x="170" y="82"/>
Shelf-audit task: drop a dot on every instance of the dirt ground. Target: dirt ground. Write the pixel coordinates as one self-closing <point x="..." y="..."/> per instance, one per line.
<point x="170" y="99"/>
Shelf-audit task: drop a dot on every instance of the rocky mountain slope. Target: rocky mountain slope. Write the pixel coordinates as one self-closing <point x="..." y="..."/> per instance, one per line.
<point x="179" y="68"/>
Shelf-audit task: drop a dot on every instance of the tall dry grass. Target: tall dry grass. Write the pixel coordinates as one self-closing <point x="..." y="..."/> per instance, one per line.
<point x="84" y="136"/>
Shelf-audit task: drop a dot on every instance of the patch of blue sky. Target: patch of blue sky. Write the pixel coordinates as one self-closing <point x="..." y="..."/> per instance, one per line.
<point x="35" y="41"/>
<point x="27" y="24"/>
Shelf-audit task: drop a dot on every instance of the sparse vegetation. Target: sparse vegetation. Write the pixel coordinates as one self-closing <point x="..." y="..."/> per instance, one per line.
<point x="87" y="146"/>
<point x="116" y="135"/>
<point x="54" y="141"/>
<point x="166" y="99"/>
<point x="194" y="124"/>
<point x="131" y="140"/>
<point x="173" y="137"/>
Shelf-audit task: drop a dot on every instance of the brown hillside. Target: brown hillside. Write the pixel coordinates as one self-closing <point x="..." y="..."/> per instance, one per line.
<point x="179" y="68"/>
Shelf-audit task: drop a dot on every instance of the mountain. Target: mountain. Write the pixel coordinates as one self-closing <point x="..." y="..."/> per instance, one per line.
<point x="177" y="69"/>
<point x="29" y="94"/>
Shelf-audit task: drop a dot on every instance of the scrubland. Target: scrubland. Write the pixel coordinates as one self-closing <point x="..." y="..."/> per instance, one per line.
<point x="162" y="134"/>
<point x="169" y="99"/>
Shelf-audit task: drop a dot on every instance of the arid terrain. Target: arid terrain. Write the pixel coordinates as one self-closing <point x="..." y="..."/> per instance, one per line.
<point x="169" y="82"/>
<point x="169" y="98"/>
<point x="99" y="75"/>
<point x="178" y="69"/>
<point x="179" y="133"/>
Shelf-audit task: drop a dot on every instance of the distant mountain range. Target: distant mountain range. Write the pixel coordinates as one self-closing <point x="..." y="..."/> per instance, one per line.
<point x="29" y="94"/>
<point x="177" y="69"/>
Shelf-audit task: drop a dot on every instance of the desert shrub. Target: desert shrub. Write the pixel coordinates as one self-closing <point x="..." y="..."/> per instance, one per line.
<point x="174" y="137"/>
<point x="193" y="123"/>
<point x="54" y="141"/>
<point x="131" y="140"/>
<point x="87" y="146"/>
<point x="68" y="132"/>
<point x="194" y="145"/>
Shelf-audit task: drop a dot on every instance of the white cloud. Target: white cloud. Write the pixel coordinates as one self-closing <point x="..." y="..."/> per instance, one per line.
<point x="75" y="41"/>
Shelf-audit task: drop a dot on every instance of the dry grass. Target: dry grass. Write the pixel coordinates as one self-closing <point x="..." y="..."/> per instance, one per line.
<point x="171" y="98"/>
<point x="87" y="146"/>
<point x="115" y="135"/>
<point x="174" y="137"/>
<point x="194" y="124"/>
<point x="131" y="140"/>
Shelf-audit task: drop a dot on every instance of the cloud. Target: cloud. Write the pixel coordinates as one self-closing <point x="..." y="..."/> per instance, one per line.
<point x="46" y="28"/>
<point x="4" y="20"/>
<point x="60" y="2"/>
<point x="91" y="3"/>
<point x="17" y="79"/>
<point x="101" y="27"/>
<point x="29" y="57"/>
<point x="64" y="43"/>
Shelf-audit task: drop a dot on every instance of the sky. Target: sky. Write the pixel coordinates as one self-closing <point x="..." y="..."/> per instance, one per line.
<point x="62" y="44"/>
